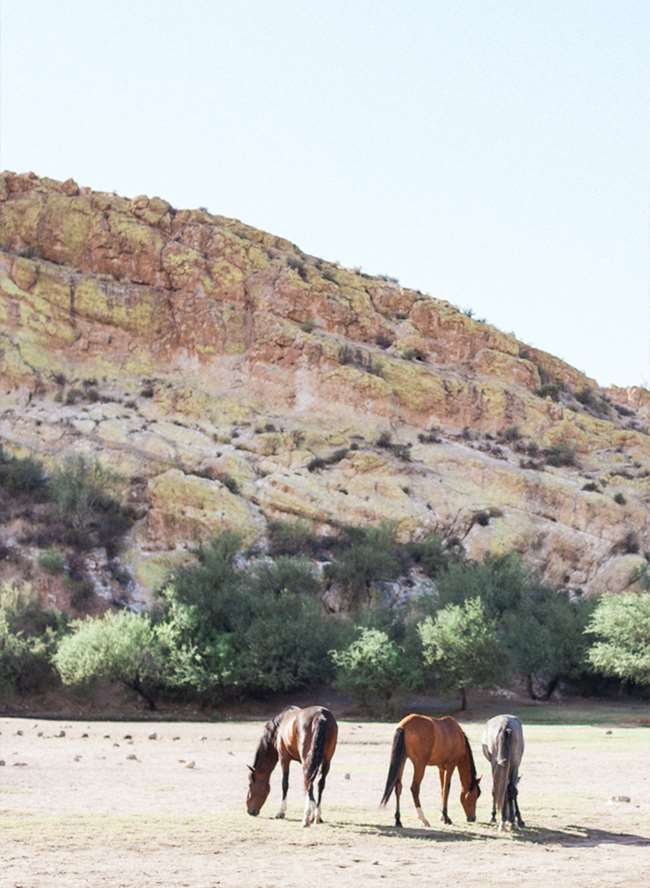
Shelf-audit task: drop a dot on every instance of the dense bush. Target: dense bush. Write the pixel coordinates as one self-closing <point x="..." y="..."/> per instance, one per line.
<point x="366" y="555"/>
<point x="462" y="647"/>
<point x="52" y="560"/>
<point x="84" y="495"/>
<point x="561" y="454"/>
<point x="120" y="647"/>
<point x="229" y="631"/>
<point x="292" y="538"/>
<point x="370" y="667"/>
<point x="621" y="626"/>
<point x="28" y="638"/>
<point x="21" y="475"/>
<point x="539" y="628"/>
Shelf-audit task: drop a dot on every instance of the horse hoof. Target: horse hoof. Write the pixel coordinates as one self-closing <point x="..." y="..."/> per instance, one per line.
<point x="280" y="815"/>
<point x="306" y="823"/>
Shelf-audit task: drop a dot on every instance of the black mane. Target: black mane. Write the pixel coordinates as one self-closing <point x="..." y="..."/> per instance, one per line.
<point x="472" y="766"/>
<point x="267" y="741"/>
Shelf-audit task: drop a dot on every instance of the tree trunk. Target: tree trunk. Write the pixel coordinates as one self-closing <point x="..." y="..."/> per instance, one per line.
<point x="136" y="686"/>
<point x="463" y="699"/>
<point x="550" y="687"/>
<point x="530" y="688"/>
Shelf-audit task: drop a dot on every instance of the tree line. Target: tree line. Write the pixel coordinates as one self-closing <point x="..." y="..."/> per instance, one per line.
<point x="225" y="627"/>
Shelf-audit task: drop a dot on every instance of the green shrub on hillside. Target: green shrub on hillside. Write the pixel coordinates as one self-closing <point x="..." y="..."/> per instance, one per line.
<point x="21" y="475"/>
<point x="28" y="638"/>
<point x="84" y="495"/>
<point x="365" y="556"/>
<point x="52" y="560"/>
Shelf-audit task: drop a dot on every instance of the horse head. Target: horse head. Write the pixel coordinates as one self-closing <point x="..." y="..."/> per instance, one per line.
<point x="259" y="786"/>
<point x="469" y="798"/>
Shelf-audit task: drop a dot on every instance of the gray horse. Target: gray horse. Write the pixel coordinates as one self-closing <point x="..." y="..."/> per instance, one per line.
<point x="503" y="747"/>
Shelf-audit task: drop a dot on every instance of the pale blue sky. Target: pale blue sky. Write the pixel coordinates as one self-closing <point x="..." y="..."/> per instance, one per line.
<point x="492" y="153"/>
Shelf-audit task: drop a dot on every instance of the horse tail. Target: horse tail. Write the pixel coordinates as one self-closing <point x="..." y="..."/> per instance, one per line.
<point x="317" y="752"/>
<point x="397" y="759"/>
<point x="503" y="745"/>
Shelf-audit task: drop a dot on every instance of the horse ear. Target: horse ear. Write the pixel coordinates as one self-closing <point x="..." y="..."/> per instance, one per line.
<point x="251" y="768"/>
<point x="478" y="779"/>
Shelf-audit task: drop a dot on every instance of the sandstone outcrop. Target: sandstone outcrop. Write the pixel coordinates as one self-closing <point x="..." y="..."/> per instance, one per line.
<point x="237" y="380"/>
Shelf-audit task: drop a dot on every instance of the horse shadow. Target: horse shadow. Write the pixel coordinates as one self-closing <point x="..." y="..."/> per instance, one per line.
<point x="405" y="832"/>
<point x="576" y="836"/>
<point x="573" y="836"/>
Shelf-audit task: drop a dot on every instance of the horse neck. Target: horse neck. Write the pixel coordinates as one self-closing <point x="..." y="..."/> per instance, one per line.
<point x="266" y="757"/>
<point x="467" y="769"/>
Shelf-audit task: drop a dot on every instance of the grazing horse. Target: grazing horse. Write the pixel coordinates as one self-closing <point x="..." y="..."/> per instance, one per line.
<point x="433" y="741"/>
<point x="300" y="735"/>
<point x="503" y="747"/>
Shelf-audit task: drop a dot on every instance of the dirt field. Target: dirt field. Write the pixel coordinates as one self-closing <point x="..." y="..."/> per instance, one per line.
<point x="95" y="808"/>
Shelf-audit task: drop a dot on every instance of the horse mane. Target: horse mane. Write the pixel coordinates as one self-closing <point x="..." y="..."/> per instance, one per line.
<point x="267" y="740"/>
<point x="472" y="766"/>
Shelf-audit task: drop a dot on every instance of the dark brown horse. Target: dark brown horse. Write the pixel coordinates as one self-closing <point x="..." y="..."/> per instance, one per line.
<point x="433" y="741"/>
<point x="295" y="735"/>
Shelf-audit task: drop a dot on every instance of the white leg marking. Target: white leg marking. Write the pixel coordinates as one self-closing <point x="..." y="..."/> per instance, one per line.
<point x="282" y="811"/>
<point x="308" y="814"/>
<point x="317" y="816"/>
<point x="422" y="818"/>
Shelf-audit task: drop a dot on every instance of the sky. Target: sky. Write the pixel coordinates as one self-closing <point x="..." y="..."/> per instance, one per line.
<point x="487" y="152"/>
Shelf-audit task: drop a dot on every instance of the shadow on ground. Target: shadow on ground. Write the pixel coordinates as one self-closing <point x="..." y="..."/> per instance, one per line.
<point x="572" y="837"/>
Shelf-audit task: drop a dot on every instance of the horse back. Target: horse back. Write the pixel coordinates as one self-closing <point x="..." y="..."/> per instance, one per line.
<point x="298" y="731"/>
<point x="433" y="741"/>
<point x="494" y="736"/>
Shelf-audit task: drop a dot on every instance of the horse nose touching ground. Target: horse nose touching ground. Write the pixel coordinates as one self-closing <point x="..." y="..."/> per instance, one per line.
<point x="301" y="735"/>
<point x="432" y="741"/>
<point x="503" y="747"/>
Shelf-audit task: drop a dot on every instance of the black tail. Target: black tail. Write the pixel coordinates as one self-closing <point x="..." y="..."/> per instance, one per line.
<point x="397" y="759"/>
<point x="317" y="752"/>
<point x="503" y="746"/>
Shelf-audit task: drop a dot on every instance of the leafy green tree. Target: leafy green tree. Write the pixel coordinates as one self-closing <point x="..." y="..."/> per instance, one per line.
<point x="545" y="638"/>
<point x="370" y="667"/>
<point x="228" y="631"/>
<point x="120" y="647"/>
<point x="621" y="625"/>
<point x="462" y="646"/>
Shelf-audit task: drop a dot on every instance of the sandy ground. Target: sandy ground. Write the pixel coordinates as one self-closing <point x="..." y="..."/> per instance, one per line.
<point x="99" y="808"/>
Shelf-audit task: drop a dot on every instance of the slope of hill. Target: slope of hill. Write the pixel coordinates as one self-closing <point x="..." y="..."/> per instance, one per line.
<point x="231" y="379"/>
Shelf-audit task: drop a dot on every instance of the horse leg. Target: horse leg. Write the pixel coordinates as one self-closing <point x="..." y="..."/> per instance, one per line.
<point x="398" y="793"/>
<point x="515" y="801"/>
<point x="445" y="785"/>
<point x="285" y="762"/>
<point x="418" y="774"/>
<point x="500" y="793"/>
<point x="310" y="804"/>
<point x="321" y="786"/>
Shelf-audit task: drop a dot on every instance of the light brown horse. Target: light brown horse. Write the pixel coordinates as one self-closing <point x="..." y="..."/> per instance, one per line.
<point x="299" y="735"/>
<point x="433" y="741"/>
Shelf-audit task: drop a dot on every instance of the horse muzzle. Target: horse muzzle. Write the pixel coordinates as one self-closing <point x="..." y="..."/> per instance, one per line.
<point x="471" y="819"/>
<point x="253" y="813"/>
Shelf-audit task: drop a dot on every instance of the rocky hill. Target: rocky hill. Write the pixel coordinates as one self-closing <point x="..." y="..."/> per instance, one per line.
<point x="231" y="379"/>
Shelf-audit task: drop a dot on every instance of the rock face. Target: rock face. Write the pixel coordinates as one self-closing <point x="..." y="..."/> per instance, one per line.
<point x="236" y="380"/>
